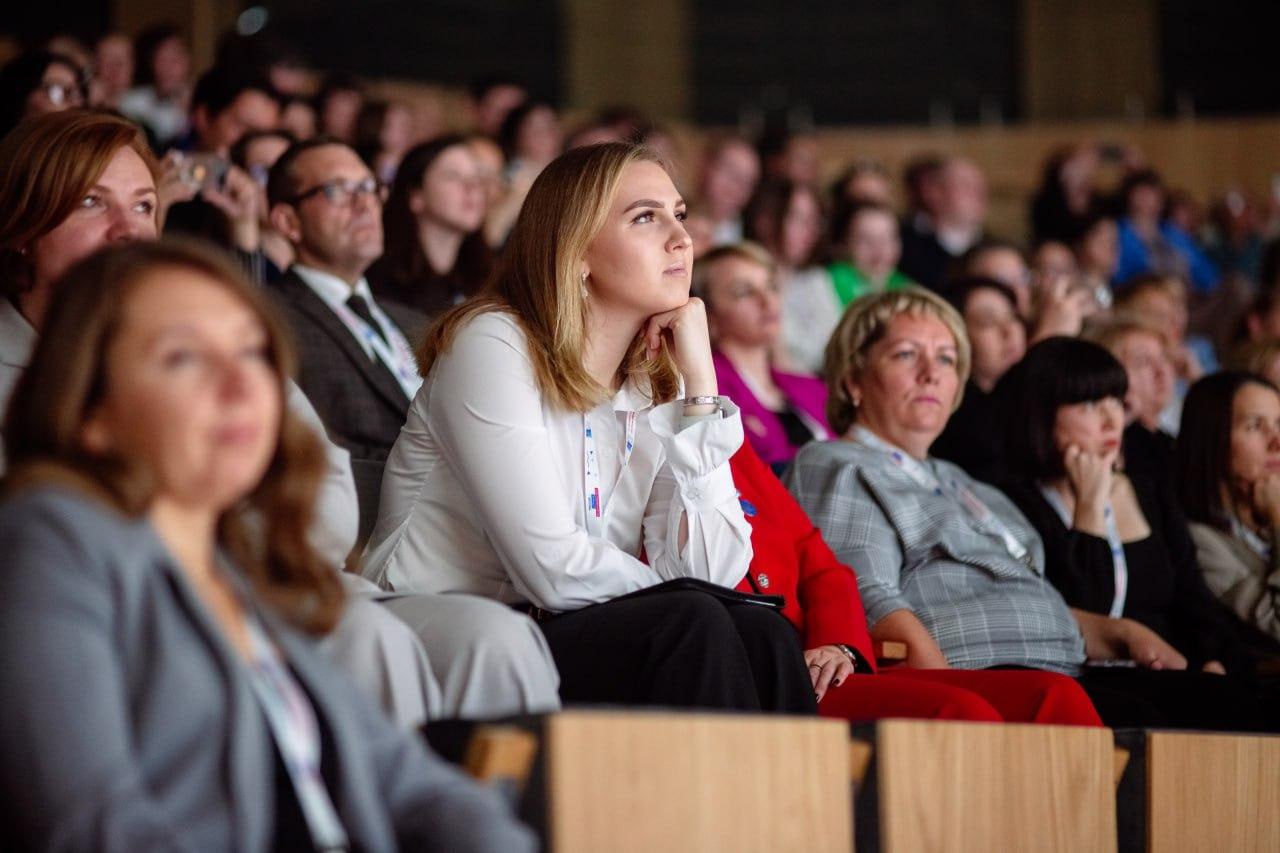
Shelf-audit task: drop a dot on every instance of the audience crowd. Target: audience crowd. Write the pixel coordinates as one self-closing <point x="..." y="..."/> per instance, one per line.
<point x="321" y="425"/>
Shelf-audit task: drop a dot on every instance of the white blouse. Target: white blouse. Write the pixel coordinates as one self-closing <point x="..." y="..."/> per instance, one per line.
<point x="484" y="491"/>
<point x="810" y="313"/>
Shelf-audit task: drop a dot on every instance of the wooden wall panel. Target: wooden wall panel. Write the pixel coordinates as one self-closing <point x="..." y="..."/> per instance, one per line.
<point x="1090" y="58"/>
<point x="627" y="782"/>
<point x="1212" y="793"/>
<point x="981" y="787"/>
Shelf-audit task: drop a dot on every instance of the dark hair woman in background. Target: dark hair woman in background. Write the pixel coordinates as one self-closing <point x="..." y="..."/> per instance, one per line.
<point x="435" y="252"/>
<point x="974" y="437"/>
<point x="37" y="83"/>
<point x="1227" y="467"/>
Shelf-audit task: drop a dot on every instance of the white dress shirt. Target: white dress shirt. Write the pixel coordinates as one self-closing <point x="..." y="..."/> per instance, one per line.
<point x="811" y="310"/>
<point x="484" y="490"/>
<point x="397" y="355"/>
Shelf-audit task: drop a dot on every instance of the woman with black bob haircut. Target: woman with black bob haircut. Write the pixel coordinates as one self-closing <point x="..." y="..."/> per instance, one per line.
<point x="1116" y="544"/>
<point x="1227" y="470"/>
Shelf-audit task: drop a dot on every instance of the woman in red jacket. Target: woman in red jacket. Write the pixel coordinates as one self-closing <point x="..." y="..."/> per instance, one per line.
<point x="822" y="601"/>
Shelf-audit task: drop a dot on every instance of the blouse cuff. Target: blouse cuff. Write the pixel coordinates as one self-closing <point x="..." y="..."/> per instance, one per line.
<point x="702" y="446"/>
<point x="687" y="421"/>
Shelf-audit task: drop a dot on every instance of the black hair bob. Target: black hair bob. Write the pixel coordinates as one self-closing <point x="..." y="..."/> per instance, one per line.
<point x="1055" y="372"/>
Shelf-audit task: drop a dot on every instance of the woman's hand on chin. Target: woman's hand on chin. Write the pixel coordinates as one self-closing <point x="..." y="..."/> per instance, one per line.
<point x="685" y="331"/>
<point x="1090" y="474"/>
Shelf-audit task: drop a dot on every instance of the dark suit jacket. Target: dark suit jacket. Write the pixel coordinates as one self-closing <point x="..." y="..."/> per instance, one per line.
<point x="923" y="258"/>
<point x="358" y="398"/>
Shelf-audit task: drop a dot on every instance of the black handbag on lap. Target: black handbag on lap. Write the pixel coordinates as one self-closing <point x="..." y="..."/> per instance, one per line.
<point x="724" y="594"/>
<point x="728" y="596"/>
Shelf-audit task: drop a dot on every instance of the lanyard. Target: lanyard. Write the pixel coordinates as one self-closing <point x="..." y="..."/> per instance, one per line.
<point x="1256" y="543"/>
<point x="293" y="726"/>
<point x="396" y="355"/>
<point x="594" y="505"/>
<point x="1119" y="564"/>
<point x="985" y="520"/>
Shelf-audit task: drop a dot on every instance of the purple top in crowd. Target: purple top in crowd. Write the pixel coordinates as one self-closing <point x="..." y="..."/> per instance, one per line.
<point x="806" y="395"/>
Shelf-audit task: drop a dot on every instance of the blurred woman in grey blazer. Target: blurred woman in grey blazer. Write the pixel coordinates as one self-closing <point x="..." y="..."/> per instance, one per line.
<point x="159" y="685"/>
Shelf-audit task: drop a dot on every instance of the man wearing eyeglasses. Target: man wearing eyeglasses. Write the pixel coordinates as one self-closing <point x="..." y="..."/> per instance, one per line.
<point x="355" y="366"/>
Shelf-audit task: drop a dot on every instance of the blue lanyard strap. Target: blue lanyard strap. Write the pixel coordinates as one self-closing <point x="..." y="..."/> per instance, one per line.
<point x="591" y="470"/>
<point x="1119" y="564"/>
<point x="392" y="350"/>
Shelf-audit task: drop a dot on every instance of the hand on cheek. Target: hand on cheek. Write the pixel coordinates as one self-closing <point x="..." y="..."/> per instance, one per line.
<point x="1089" y="473"/>
<point x="1266" y="498"/>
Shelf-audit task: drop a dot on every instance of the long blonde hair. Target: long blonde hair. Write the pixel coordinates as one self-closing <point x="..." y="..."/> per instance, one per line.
<point x="538" y="280"/>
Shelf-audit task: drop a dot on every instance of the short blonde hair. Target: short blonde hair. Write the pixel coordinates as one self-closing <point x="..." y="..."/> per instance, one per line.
<point x="864" y="323"/>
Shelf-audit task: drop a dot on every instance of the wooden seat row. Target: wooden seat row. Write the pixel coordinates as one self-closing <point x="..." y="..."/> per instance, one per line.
<point x="644" y="781"/>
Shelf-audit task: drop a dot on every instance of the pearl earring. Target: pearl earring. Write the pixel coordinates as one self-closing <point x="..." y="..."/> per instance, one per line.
<point x="584" y="285"/>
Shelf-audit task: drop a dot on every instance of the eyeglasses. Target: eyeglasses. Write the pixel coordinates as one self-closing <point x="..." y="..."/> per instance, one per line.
<point x="340" y="192"/>
<point x="60" y="94"/>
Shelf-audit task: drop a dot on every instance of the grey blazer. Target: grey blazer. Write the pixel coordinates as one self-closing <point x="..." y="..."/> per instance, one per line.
<point x="129" y="723"/>
<point x="917" y="550"/>
<point x="1240" y="578"/>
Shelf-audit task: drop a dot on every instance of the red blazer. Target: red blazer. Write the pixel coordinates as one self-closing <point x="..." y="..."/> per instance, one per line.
<point x="791" y="560"/>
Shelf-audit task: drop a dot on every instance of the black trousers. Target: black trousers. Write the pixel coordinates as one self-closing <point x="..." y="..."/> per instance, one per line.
<point x="680" y="649"/>
<point x="1180" y="699"/>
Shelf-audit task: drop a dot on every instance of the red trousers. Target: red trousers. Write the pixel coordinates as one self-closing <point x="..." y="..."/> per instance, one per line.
<point x="955" y="694"/>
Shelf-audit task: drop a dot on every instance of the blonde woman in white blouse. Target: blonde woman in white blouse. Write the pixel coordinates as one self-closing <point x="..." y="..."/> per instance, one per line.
<point x="568" y="448"/>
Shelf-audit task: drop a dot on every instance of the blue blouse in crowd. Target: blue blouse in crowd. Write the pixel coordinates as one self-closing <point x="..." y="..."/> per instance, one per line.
<point x="1181" y="256"/>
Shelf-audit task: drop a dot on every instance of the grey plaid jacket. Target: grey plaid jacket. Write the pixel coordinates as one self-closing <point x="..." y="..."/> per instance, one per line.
<point x="917" y="550"/>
